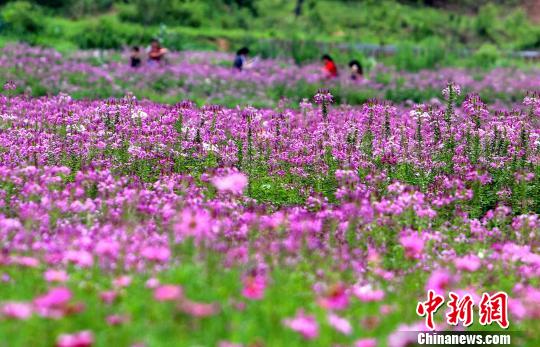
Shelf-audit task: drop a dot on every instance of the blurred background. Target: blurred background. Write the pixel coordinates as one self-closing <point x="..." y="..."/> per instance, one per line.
<point x="410" y="35"/>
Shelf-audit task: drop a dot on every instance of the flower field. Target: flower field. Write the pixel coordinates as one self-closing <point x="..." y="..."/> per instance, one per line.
<point x="128" y="222"/>
<point x="207" y="77"/>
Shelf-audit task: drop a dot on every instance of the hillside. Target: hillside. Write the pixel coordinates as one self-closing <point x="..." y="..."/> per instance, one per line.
<point x="273" y="28"/>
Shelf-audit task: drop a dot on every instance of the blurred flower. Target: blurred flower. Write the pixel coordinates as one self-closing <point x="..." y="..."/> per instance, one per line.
<point x="340" y="324"/>
<point x="413" y="245"/>
<point x="439" y="282"/>
<point x="116" y="319"/>
<point x="55" y="276"/>
<point x="10" y="85"/>
<point x="168" y="292"/>
<point x="234" y="182"/>
<point x="16" y="310"/>
<point x="468" y="263"/>
<point x="323" y="96"/>
<point x="54" y="298"/>
<point x="306" y="325"/>
<point x="197" y="309"/>
<point x="336" y="298"/>
<point x="365" y="343"/>
<point x="122" y="281"/>
<point x="366" y="293"/>
<point x="80" y="339"/>
<point x="254" y="287"/>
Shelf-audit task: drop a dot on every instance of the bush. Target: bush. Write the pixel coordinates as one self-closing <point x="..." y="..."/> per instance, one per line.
<point x="107" y="33"/>
<point x="22" y="18"/>
<point x="486" y="56"/>
<point x="187" y="13"/>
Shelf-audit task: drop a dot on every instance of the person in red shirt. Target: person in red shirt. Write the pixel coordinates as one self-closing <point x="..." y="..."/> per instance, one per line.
<point x="329" y="69"/>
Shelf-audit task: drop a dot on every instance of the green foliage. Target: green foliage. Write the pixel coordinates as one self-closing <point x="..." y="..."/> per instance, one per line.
<point x="183" y="12"/>
<point x="486" y="56"/>
<point x="21" y="18"/>
<point x="108" y="32"/>
<point x="429" y="54"/>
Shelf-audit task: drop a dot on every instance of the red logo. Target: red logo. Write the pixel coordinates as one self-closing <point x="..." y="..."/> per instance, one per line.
<point x="429" y="307"/>
<point x="492" y="309"/>
<point x="460" y="309"/>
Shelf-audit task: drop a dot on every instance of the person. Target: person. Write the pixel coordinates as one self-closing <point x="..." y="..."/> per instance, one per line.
<point x="135" y="57"/>
<point x="329" y="69"/>
<point x="241" y="58"/>
<point x="156" y="53"/>
<point x="356" y="70"/>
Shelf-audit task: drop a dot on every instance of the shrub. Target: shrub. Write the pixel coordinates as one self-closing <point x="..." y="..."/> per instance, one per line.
<point x="22" y="18"/>
<point x="486" y="56"/>
<point x="107" y="32"/>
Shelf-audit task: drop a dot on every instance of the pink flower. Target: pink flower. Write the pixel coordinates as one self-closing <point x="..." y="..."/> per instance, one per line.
<point x="303" y="324"/>
<point x="54" y="298"/>
<point x="197" y="309"/>
<point x="336" y="299"/>
<point x="365" y="343"/>
<point x="234" y="182"/>
<point x="152" y="283"/>
<point x="366" y="293"/>
<point x="340" y="324"/>
<point x="228" y="344"/>
<point x="402" y="337"/>
<point x="167" y="292"/>
<point x="80" y="339"/>
<point x="80" y="258"/>
<point x="469" y="263"/>
<point x="254" y="287"/>
<point x="193" y="222"/>
<point x="25" y="261"/>
<point x="122" y="281"/>
<point x="108" y="297"/>
<point x="116" y="319"/>
<point x="55" y="276"/>
<point x="517" y="309"/>
<point x="157" y="254"/>
<point x="17" y="310"/>
<point x="413" y="245"/>
<point x="439" y="281"/>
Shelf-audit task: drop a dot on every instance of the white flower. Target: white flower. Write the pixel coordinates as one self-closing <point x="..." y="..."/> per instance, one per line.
<point x="209" y="147"/>
<point x="139" y="114"/>
<point x="75" y="128"/>
<point x="416" y="114"/>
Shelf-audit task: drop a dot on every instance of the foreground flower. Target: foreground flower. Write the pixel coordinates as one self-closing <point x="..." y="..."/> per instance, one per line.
<point x="439" y="282"/>
<point x="55" y="298"/>
<point x="469" y="263"/>
<point x="16" y="310"/>
<point x="80" y="339"/>
<point x="254" y="287"/>
<point x="116" y="319"/>
<point x="340" y="324"/>
<point x="303" y="324"/>
<point x="10" y="85"/>
<point x="198" y="309"/>
<point x="366" y="343"/>
<point x="366" y="293"/>
<point x="234" y="183"/>
<point x="413" y="245"/>
<point x="193" y="222"/>
<point x="323" y="96"/>
<point x="168" y="292"/>
<point x="122" y="281"/>
<point x="55" y="276"/>
<point x="337" y="298"/>
<point x="55" y="303"/>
